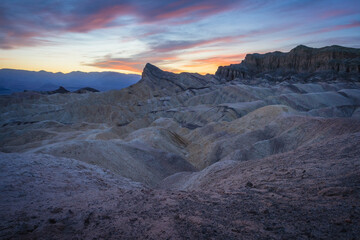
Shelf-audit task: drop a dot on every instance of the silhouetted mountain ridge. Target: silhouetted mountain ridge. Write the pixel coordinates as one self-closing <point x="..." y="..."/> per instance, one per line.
<point x="20" y="80"/>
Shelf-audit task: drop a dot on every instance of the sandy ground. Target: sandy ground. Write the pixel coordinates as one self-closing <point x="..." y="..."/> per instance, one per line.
<point x="311" y="193"/>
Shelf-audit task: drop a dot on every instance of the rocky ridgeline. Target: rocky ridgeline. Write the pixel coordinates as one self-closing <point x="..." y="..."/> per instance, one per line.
<point x="304" y="62"/>
<point x="63" y="90"/>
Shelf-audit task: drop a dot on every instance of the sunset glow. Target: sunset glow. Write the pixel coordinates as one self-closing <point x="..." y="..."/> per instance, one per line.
<point x="180" y="35"/>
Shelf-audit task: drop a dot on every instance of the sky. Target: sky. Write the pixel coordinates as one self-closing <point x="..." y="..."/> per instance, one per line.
<point x="175" y="35"/>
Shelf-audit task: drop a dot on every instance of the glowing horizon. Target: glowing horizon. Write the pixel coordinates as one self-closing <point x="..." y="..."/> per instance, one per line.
<point x="177" y="36"/>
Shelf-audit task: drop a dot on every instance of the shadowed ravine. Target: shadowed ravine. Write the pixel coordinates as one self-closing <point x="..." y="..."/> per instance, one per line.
<point x="257" y="151"/>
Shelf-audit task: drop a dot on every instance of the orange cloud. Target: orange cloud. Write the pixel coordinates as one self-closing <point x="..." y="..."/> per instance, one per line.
<point x="220" y="60"/>
<point x="210" y="65"/>
<point x="206" y="65"/>
<point x="135" y="67"/>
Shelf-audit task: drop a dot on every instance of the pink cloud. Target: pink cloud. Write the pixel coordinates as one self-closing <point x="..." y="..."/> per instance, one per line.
<point x="99" y="19"/>
<point x="337" y="13"/>
<point x="355" y="24"/>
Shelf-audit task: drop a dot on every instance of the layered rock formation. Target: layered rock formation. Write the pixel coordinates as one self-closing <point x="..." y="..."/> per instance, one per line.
<point x="190" y="155"/>
<point x="302" y="59"/>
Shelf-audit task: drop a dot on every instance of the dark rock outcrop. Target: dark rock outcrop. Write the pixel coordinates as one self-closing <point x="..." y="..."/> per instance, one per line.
<point x="59" y="90"/>
<point x="63" y="90"/>
<point x="302" y="59"/>
<point x="86" y="90"/>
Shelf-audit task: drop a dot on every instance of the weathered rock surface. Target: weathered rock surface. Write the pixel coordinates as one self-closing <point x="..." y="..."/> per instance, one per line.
<point x="302" y="59"/>
<point x="248" y="158"/>
<point x="133" y="159"/>
<point x="309" y="193"/>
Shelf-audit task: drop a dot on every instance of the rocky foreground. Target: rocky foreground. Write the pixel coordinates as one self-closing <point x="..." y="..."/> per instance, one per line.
<point x="264" y="155"/>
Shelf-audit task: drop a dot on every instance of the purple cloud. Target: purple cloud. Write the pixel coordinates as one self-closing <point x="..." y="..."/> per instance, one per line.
<point x="23" y="22"/>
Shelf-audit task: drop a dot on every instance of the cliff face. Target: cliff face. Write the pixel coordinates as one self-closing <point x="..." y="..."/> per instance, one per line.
<point x="336" y="59"/>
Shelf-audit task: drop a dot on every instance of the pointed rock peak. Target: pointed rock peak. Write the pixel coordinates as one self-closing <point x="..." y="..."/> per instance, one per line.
<point x="150" y="67"/>
<point x="150" y="71"/>
<point x="301" y="48"/>
<point x="61" y="89"/>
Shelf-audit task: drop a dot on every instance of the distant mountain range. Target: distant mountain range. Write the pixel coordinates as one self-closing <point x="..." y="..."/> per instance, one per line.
<point x="12" y="80"/>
